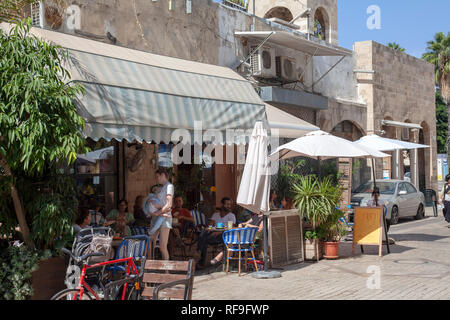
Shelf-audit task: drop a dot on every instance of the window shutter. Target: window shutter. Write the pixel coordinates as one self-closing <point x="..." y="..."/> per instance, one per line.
<point x="37" y="14"/>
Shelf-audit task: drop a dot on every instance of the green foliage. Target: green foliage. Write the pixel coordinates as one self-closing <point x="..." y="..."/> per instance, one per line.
<point x="332" y="230"/>
<point x="38" y="118"/>
<point x="441" y="123"/>
<point x="315" y="199"/>
<point x="16" y="265"/>
<point x="396" y="47"/>
<point x="13" y="10"/>
<point x="314" y="234"/>
<point x="39" y="131"/>
<point x="438" y="53"/>
<point x="287" y="177"/>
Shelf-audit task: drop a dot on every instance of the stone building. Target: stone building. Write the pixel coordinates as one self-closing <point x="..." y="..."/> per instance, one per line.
<point x="300" y="69"/>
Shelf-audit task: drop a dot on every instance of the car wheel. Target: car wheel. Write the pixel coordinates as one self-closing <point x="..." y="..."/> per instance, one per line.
<point x="394" y="215"/>
<point x="420" y="213"/>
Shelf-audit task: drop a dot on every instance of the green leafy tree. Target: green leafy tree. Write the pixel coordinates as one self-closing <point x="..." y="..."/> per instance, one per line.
<point x="438" y="53"/>
<point x="396" y="47"/>
<point x="441" y="123"/>
<point x="39" y="124"/>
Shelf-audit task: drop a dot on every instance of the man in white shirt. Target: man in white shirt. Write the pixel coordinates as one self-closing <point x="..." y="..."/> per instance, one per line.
<point x="214" y="237"/>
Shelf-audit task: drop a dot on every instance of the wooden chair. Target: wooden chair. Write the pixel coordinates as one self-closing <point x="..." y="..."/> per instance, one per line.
<point x="168" y="279"/>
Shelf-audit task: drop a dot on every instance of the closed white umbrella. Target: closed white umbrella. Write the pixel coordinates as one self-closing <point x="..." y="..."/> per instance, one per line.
<point x="255" y="183"/>
<point x="322" y="145"/>
<point x="254" y="190"/>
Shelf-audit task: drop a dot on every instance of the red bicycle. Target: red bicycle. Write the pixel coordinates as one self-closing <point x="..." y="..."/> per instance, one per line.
<point x="130" y="283"/>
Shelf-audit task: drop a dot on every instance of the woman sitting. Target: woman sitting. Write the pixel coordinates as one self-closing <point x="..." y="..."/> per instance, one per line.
<point x="83" y="220"/>
<point x="120" y="219"/>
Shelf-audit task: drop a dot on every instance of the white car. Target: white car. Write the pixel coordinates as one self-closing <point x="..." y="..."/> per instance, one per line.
<point x="401" y="199"/>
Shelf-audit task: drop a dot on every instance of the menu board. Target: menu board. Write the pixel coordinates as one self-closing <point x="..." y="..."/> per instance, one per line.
<point x="368" y="227"/>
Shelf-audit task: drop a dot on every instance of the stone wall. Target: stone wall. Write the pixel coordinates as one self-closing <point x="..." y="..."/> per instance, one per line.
<point x="402" y="89"/>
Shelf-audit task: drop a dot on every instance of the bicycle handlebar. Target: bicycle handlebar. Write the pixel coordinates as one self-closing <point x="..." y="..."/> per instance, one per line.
<point x="83" y="257"/>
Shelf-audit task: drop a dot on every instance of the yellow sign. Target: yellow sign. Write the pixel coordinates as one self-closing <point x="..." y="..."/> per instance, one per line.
<point x="368" y="228"/>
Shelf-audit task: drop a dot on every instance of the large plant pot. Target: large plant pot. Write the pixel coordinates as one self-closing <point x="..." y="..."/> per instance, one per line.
<point x="48" y="279"/>
<point x="331" y="250"/>
<point x="313" y="250"/>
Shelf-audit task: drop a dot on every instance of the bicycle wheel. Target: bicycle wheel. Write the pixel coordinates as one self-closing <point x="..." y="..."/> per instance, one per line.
<point x="69" y="294"/>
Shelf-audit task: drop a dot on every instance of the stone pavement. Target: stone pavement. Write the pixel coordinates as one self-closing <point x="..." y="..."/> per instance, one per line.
<point x="418" y="267"/>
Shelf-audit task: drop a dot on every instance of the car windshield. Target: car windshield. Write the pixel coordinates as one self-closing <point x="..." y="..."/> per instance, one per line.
<point x="385" y="188"/>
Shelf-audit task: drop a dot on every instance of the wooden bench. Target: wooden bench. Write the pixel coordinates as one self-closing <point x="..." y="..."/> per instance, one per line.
<point x="168" y="279"/>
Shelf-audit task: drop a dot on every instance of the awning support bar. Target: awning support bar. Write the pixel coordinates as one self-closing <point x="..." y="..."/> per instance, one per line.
<point x="334" y="66"/>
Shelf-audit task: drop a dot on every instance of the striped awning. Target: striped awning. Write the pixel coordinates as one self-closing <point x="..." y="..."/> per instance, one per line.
<point x="139" y="96"/>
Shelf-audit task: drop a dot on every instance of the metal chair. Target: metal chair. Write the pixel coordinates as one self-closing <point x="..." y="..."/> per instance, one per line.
<point x="240" y="240"/>
<point x="135" y="230"/>
<point x="134" y="246"/>
<point x="431" y="200"/>
<point x="192" y="231"/>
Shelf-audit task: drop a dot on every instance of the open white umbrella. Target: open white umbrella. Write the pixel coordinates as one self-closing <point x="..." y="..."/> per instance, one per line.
<point x="385" y="144"/>
<point x="322" y="145"/>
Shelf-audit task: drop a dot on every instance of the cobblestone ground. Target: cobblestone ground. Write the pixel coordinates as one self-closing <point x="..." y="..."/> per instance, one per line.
<point x="418" y="267"/>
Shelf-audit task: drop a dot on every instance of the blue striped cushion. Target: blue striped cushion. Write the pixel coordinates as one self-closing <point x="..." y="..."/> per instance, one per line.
<point x="199" y="218"/>
<point x="245" y="235"/>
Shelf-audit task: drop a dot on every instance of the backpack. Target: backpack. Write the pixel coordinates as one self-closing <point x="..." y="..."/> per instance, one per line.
<point x="100" y="243"/>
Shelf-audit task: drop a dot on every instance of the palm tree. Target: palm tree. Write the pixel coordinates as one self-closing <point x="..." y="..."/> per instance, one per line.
<point x="395" y="46"/>
<point x="438" y="53"/>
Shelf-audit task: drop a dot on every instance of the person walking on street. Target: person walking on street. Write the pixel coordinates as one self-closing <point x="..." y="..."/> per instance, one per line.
<point x="444" y="197"/>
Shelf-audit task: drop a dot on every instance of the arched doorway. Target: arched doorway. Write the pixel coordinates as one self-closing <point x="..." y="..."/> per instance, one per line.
<point x="282" y="13"/>
<point x="360" y="172"/>
<point x="321" y="24"/>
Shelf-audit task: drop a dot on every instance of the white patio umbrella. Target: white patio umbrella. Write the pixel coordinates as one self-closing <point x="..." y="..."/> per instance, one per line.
<point x="385" y="144"/>
<point x="322" y="145"/>
<point x="254" y="190"/>
<point x="93" y="156"/>
<point x="255" y="182"/>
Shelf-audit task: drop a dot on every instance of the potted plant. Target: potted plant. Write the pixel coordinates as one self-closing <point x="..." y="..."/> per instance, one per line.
<point x="313" y="245"/>
<point x="316" y="201"/>
<point x="333" y="231"/>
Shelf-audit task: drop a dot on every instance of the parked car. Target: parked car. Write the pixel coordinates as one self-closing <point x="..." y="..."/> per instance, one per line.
<point x="407" y="176"/>
<point x="401" y="199"/>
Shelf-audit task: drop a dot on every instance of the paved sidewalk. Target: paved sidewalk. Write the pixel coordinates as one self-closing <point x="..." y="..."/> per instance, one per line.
<point x="417" y="268"/>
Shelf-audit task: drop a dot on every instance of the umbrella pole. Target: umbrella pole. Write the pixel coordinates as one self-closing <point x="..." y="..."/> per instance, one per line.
<point x="266" y="256"/>
<point x="266" y="274"/>
<point x="374" y="178"/>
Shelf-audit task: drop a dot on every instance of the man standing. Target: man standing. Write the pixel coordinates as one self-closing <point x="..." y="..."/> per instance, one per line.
<point x="214" y="237"/>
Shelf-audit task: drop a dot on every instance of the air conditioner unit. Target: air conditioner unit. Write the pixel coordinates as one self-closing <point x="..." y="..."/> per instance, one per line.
<point x="286" y="68"/>
<point x="263" y="62"/>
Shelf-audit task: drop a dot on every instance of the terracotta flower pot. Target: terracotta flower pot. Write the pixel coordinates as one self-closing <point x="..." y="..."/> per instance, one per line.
<point x="331" y="250"/>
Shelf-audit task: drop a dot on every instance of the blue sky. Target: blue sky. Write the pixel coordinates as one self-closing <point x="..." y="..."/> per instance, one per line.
<point x="411" y="23"/>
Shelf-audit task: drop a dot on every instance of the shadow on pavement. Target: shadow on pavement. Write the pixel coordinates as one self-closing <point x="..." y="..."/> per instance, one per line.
<point x="417" y="237"/>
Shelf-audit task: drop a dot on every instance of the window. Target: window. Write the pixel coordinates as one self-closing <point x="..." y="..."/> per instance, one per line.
<point x="402" y="187"/>
<point x="410" y="188"/>
<point x="96" y="176"/>
<point x="321" y="24"/>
